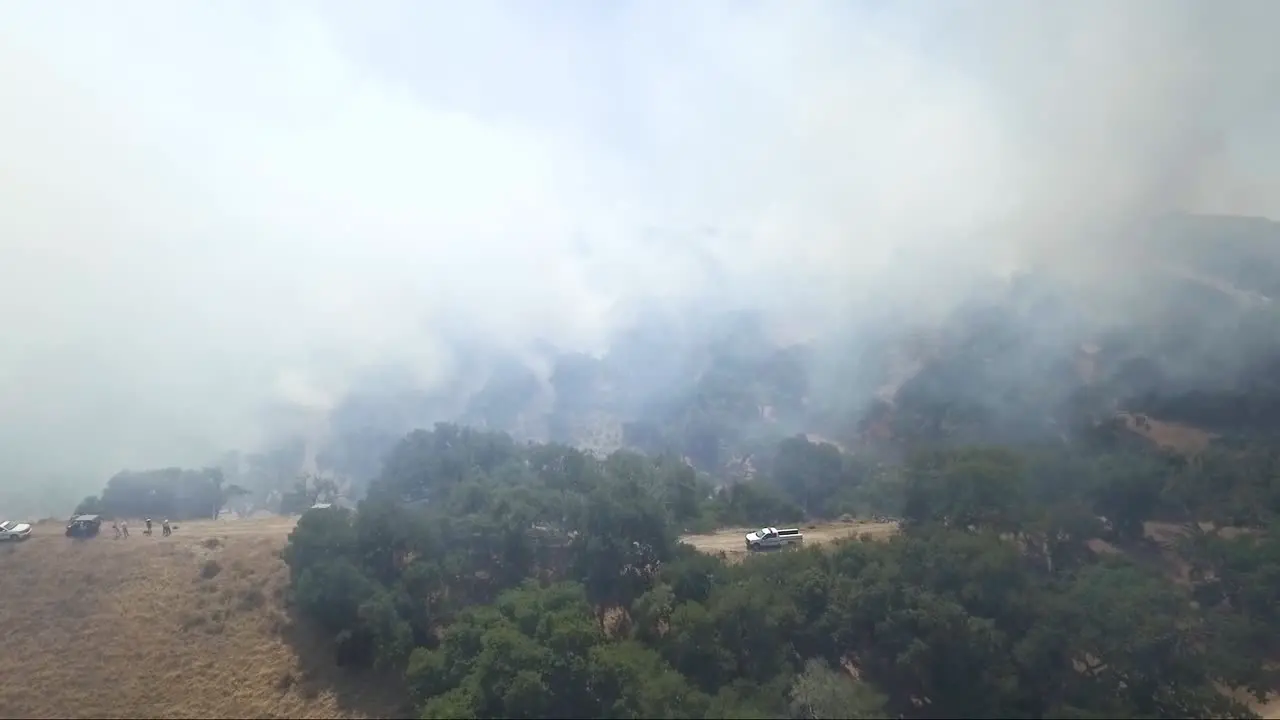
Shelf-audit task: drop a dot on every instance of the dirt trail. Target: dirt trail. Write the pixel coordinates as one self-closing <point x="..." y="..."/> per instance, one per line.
<point x="273" y="526"/>
<point x="730" y="540"/>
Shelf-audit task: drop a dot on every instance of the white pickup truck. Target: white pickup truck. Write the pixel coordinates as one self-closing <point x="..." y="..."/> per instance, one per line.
<point x="771" y="538"/>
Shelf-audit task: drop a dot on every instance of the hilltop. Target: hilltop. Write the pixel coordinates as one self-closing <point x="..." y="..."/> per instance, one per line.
<point x="194" y="625"/>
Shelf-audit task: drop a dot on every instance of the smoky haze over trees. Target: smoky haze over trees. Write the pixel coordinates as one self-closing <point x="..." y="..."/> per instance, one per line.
<point x="333" y="231"/>
<point x="541" y="581"/>
<point x="1004" y="276"/>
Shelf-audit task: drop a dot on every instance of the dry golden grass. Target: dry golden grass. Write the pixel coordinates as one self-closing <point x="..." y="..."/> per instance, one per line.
<point x="189" y="626"/>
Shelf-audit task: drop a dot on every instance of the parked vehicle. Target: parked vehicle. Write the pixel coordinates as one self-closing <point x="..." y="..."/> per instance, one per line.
<point x="771" y="538"/>
<point x="84" y="526"/>
<point x="11" y="530"/>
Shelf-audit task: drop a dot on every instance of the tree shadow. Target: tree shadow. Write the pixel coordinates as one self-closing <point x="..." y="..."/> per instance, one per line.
<point x="357" y="691"/>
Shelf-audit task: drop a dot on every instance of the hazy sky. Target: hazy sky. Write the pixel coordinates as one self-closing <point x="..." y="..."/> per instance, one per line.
<point x="211" y="207"/>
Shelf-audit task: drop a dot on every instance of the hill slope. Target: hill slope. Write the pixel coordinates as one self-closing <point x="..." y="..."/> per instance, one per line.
<point x="193" y="625"/>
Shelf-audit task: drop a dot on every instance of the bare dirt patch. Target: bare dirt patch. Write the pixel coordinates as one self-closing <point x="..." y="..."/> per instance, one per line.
<point x="821" y="440"/>
<point x="1269" y="709"/>
<point x="730" y="540"/>
<point x="1170" y="436"/>
<point x="192" y="625"/>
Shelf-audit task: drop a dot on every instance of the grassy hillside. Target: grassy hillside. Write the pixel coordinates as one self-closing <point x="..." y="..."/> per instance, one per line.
<point x="194" y="625"/>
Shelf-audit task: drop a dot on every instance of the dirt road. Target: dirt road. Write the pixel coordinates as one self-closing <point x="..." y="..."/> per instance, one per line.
<point x="271" y="526"/>
<point x="730" y="540"/>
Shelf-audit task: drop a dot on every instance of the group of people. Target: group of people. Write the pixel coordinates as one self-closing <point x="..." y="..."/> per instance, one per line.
<point x="122" y="528"/>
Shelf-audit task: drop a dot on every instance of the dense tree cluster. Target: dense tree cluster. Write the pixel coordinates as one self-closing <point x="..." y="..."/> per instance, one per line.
<point x="1051" y="561"/>
<point x="509" y="580"/>
<point x="172" y="493"/>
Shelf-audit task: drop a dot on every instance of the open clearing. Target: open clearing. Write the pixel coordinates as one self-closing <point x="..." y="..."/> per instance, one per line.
<point x="193" y="625"/>
<point x="1168" y="435"/>
<point x="730" y="540"/>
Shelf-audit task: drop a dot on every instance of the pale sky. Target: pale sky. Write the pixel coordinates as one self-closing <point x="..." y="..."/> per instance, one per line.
<point x="213" y="207"/>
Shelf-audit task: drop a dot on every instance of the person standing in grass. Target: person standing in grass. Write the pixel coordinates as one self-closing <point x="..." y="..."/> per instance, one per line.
<point x="124" y="528"/>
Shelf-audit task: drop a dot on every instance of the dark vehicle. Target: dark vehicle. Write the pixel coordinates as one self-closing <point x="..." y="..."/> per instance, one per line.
<point x="84" y="526"/>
